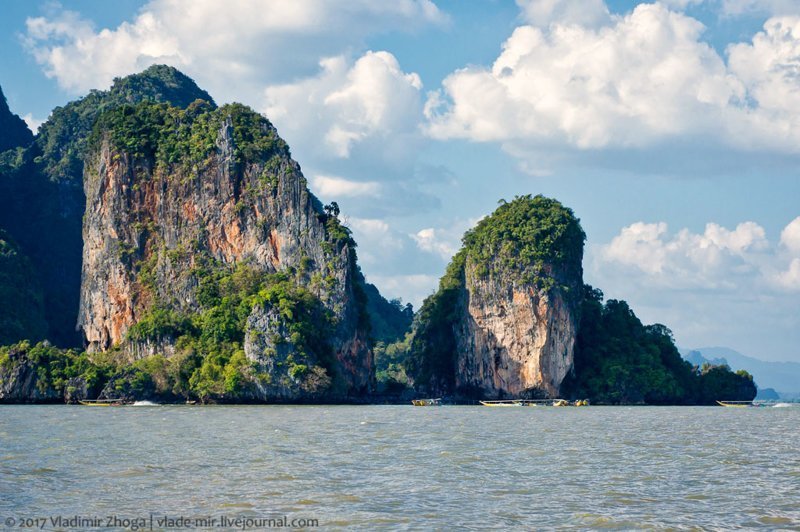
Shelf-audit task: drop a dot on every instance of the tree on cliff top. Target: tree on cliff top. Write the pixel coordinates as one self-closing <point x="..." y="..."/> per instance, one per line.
<point x="535" y="237"/>
<point x="62" y="140"/>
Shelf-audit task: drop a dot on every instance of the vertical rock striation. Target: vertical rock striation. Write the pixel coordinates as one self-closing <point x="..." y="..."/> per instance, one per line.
<point x="513" y="339"/>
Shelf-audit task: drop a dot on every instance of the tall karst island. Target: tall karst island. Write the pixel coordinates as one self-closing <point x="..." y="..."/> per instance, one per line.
<point x="156" y="246"/>
<point x="208" y="268"/>
<point x="505" y="318"/>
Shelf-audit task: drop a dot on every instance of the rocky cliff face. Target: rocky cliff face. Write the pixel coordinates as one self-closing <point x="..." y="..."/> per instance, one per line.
<point x="20" y="384"/>
<point x="512" y="339"/>
<point x="505" y="318"/>
<point x="206" y="191"/>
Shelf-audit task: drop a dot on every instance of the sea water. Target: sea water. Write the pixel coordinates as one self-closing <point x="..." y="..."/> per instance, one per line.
<point x="399" y="467"/>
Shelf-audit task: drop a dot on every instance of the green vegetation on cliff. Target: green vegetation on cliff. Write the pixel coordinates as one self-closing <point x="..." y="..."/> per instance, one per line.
<point x="64" y="138"/>
<point x="390" y="322"/>
<point x="14" y="131"/>
<point x="168" y="135"/>
<point x="390" y="319"/>
<point x="618" y="360"/>
<point x="53" y="374"/>
<point x="536" y="239"/>
<point x="211" y="328"/>
<point x="166" y="128"/>
<point x="431" y="359"/>
<point x="210" y="362"/>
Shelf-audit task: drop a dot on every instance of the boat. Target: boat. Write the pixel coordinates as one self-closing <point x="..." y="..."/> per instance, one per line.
<point x="506" y="403"/>
<point x="102" y="402"/>
<point x="735" y="404"/>
<point x="426" y="402"/>
<point x="534" y="402"/>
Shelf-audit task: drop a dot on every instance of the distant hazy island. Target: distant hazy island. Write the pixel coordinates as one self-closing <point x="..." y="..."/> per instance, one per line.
<point x="183" y="241"/>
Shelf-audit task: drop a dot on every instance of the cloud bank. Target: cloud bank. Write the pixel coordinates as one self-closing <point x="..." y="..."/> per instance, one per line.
<point x="634" y="82"/>
<point x="733" y="284"/>
<point x="248" y="41"/>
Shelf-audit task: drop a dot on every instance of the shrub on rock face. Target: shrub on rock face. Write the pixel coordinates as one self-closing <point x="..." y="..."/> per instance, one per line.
<point x="252" y="329"/>
<point x="43" y="373"/>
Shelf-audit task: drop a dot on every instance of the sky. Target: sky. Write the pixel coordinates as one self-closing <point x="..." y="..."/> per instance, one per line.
<point x="672" y="129"/>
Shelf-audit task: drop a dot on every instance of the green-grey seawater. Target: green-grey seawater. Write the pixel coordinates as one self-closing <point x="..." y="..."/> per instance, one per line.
<point x="401" y="467"/>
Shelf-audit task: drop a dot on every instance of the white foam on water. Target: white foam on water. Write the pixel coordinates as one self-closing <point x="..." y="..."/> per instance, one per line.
<point x="145" y="403"/>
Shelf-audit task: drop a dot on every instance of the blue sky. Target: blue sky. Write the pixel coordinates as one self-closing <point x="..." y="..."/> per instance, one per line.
<point x="671" y="128"/>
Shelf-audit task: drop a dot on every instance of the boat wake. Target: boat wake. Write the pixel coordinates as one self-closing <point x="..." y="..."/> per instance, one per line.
<point x="782" y="405"/>
<point x="145" y="403"/>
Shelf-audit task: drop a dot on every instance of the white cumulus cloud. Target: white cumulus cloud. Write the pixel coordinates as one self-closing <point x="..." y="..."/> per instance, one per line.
<point x="713" y="259"/>
<point x="431" y="241"/>
<point x="790" y="236"/>
<point x="717" y="259"/>
<point x="646" y="77"/>
<point x="718" y="285"/>
<point x="639" y="81"/>
<point x="247" y="41"/>
<point x="790" y="279"/>
<point x="345" y="104"/>
<point x="332" y="187"/>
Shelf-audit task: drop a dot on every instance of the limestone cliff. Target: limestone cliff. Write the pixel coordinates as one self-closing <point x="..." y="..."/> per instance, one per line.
<point x="179" y="201"/>
<point x="505" y="318"/>
<point x="513" y="339"/>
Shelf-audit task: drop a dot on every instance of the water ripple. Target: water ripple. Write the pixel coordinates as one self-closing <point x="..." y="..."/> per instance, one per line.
<point x="406" y="468"/>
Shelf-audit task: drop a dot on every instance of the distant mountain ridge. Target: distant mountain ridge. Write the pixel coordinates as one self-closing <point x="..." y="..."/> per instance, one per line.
<point x="782" y="376"/>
